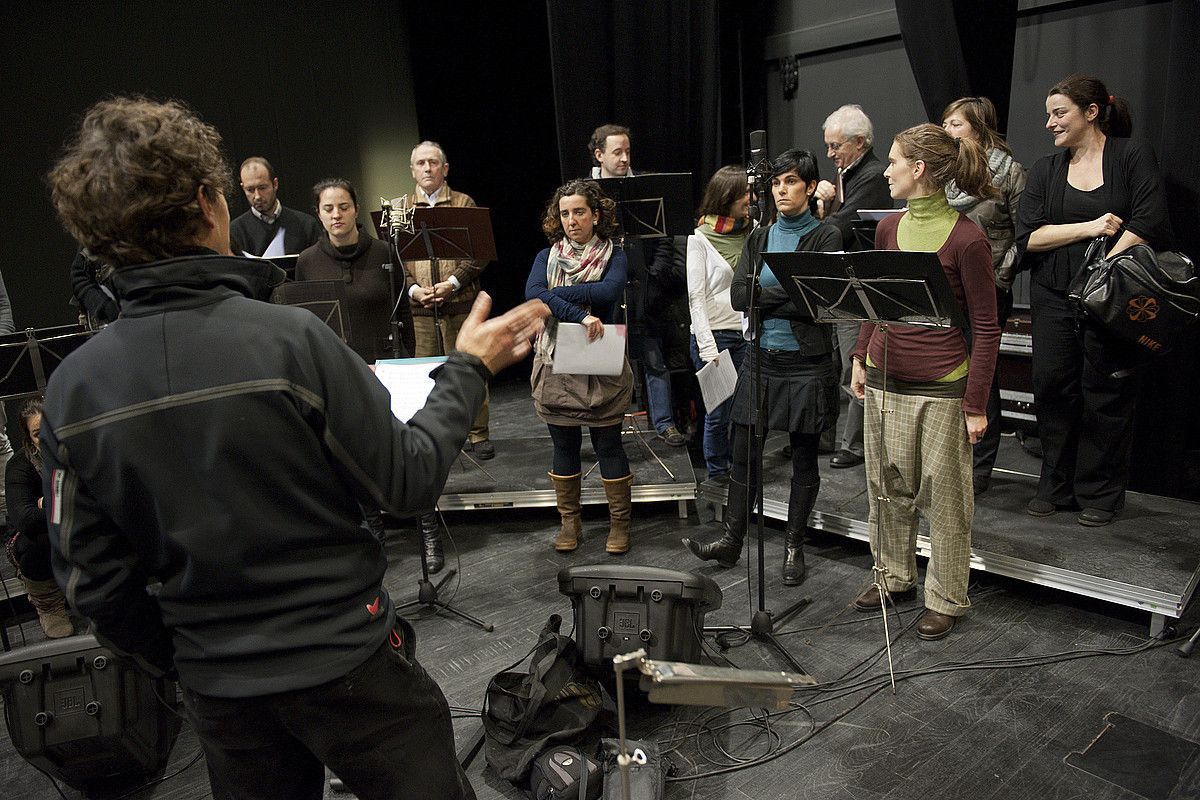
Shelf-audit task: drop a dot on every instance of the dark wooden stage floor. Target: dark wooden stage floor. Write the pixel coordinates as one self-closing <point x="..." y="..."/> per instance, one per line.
<point x="994" y="711"/>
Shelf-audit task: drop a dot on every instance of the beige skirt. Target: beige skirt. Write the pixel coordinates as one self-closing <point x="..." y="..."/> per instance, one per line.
<point x="592" y="400"/>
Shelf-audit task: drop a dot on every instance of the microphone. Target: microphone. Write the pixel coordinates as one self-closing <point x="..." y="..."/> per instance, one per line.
<point x="756" y="173"/>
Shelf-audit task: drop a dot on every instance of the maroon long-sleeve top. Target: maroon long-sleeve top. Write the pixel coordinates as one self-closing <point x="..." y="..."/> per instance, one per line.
<point x="921" y="355"/>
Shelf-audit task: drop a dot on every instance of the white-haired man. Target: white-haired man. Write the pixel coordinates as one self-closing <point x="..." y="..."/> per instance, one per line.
<point x="858" y="183"/>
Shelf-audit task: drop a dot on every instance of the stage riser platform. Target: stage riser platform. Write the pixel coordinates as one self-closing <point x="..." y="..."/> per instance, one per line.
<point x="1148" y="559"/>
<point x="517" y="477"/>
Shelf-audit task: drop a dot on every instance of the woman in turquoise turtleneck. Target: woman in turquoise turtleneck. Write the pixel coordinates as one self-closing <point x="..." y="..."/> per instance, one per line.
<point x="919" y="453"/>
<point x="798" y="386"/>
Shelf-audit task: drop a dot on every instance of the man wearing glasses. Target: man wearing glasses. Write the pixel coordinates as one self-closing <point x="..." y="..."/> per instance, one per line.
<point x="858" y="183"/>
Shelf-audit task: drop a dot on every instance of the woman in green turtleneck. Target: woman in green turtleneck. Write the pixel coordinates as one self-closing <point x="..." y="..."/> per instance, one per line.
<point x="920" y="456"/>
<point x="713" y="253"/>
<point x="798" y="386"/>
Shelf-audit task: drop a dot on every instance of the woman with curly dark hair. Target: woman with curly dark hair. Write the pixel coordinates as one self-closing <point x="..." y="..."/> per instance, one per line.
<point x="581" y="277"/>
<point x="30" y="541"/>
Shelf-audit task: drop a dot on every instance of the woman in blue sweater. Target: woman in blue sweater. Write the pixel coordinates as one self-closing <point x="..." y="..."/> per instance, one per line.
<point x="581" y="277"/>
<point x="797" y="390"/>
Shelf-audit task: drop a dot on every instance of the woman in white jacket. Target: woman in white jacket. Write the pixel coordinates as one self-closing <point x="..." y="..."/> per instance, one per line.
<point x="712" y="255"/>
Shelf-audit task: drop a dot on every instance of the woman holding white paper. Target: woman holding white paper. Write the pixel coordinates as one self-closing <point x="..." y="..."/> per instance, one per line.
<point x="713" y="253"/>
<point x="581" y="277"/>
<point x="798" y="386"/>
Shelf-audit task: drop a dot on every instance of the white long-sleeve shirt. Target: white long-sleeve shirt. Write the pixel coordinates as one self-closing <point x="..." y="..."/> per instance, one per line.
<point x="708" y="278"/>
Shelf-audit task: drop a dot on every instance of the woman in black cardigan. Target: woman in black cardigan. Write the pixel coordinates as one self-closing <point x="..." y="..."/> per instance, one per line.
<point x="29" y="542"/>
<point x="1101" y="184"/>
<point x="798" y="386"/>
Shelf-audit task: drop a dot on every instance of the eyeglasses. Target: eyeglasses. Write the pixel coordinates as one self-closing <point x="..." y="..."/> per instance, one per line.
<point x="834" y="147"/>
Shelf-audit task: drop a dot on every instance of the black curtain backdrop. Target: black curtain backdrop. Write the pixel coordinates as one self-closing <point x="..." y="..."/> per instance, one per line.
<point x="1166" y="452"/>
<point x="959" y="48"/>
<point x="687" y="78"/>
<point x="482" y="79"/>
<point x="289" y="84"/>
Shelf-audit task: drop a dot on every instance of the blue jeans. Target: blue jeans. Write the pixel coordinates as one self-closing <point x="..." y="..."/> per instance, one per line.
<point x="658" y="382"/>
<point x="716" y="420"/>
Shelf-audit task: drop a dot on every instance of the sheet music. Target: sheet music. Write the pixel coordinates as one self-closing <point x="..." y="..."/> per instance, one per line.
<point x="407" y="381"/>
<point x="575" y="355"/>
<point x="717" y="379"/>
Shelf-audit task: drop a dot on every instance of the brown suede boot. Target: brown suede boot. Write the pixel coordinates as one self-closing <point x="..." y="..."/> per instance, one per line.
<point x="620" y="508"/>
<point x="566" y="491"/>
<point x="47" y="599"/>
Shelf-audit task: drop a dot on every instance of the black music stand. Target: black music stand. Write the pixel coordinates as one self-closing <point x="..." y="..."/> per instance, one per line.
<point x="439" y="233"/>
<point x="27" y="358"/>
<point x="882" y="287"/>
<point x="326" y="299"/>
<point x="649" y="206"/>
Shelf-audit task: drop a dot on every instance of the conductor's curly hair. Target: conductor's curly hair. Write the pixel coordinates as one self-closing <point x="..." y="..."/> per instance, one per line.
<point x="126" y="185"/>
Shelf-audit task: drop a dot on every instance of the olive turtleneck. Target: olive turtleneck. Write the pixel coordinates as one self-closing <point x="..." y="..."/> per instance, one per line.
<point x="927" y="225"/>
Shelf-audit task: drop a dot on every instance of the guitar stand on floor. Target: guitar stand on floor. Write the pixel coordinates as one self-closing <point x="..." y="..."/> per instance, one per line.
<point x="427" y="594"/>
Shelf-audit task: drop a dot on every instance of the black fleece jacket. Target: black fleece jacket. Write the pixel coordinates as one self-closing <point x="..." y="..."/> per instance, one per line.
<point x="220" y="449"/>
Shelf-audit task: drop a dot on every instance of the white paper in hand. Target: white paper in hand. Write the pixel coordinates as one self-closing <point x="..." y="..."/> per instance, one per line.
<point x="575" y="355"/>
<point x="407" y="381"/>
<point x="717" y="379"/>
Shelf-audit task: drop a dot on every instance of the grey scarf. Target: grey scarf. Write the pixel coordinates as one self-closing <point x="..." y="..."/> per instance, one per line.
<point x="999" y="164"/>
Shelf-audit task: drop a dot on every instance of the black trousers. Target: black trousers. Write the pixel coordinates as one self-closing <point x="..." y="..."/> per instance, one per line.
<point x="606" y="441"/>
<point x="383" y="728"/>
<point x="1085" y="415"/>
<point x="984" y="452"/>
<point x="745" y="462"/>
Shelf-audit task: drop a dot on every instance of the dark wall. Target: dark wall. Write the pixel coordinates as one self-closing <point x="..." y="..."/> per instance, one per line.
<point x="485" y="93"/>
<point x="317" y="93"/>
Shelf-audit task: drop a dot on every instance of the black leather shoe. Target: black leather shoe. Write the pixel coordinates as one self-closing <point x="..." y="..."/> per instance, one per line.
<point x="869" y="600"/>
<point x="932" y="625"/>
<point x="1040" y="508"/>
<point x="484" y="450"/>
<point x="1096" y="517"/>
<point x="845" y="458"/>
<point x="725" y="551"/>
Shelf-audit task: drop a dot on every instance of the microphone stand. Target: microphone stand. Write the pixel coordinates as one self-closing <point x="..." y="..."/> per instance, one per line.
<point x="393" y="294"/>
<point x="763" y="621"/>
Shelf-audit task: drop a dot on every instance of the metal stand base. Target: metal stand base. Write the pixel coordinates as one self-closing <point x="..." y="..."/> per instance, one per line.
<point x="762" y="628"/>
<point x="427" y="597"/>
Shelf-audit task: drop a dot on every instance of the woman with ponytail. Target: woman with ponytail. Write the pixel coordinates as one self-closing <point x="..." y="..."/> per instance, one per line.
<point x="936" y="390"/>
<point x="1101" y="184"/>
<point x="975" y="118"/>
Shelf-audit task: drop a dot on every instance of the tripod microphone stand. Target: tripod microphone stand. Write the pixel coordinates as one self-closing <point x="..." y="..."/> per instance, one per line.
<point x="427" y="594"/>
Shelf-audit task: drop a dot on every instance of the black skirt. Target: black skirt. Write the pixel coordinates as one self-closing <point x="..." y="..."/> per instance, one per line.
<point x="799" y="392"/>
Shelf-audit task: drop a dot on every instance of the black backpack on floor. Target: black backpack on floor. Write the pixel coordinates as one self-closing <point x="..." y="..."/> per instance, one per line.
<point x="555" y="702"/>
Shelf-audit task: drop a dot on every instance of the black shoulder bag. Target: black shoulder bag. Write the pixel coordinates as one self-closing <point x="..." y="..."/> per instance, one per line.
<point x="554" y="702"/>
<point x="1139" y="295"/>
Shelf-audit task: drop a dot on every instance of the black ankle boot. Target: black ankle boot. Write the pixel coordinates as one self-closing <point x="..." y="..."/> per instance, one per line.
<point x="728" y="549"/>
<point x="431" y="540"/>
<point x="800" y="505"/>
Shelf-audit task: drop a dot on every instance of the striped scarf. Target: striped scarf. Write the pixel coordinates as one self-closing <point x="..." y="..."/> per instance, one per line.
<point x="568" y="265"/>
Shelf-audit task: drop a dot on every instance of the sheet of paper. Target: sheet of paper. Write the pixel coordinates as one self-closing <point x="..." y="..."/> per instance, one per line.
<point x="717" y="379"/>
<point x="575" y="355"/>
<point x="407" y="381"/>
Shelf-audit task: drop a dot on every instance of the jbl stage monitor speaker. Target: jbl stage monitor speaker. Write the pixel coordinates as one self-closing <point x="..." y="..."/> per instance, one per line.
<point x="620" y="608"/>
<point x="84" y="717"/>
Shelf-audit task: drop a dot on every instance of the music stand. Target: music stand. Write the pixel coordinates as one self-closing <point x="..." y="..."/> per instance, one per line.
<point x="28" y="358"/>
<point x="326" y="299"/>
<point x="649" y="206"/>
<point x="881" y="287"/>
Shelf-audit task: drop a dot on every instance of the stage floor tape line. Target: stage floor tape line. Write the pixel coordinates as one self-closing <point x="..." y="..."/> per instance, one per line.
<point x="1140" y="758"/>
